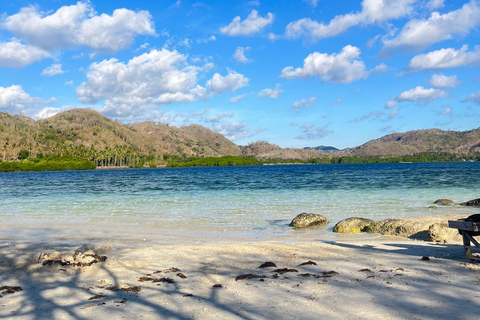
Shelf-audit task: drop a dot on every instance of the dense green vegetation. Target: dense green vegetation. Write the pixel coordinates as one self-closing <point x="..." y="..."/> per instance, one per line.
<point x="215" y="162"/>
<point x="50" y="163"/>
<point x="175" y="161"/>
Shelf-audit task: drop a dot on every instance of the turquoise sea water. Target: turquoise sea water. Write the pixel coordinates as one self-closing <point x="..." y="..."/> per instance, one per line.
<point x="223" y="202"/>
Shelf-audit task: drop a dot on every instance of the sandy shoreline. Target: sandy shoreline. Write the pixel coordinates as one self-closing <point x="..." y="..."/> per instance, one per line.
<point x="383" y="278"/>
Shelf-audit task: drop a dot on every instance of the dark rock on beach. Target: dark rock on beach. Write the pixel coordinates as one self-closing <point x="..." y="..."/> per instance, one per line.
<point x="445" y="202"/>
<point x="304" y="220"/>
<point x="268" y="264"/>
<point x="352" y="225"/>
<point x="471" y="203"/>
<point x="250" y="276"/>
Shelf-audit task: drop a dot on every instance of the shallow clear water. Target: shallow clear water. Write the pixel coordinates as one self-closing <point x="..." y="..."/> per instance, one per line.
<point x="248" y="202"/>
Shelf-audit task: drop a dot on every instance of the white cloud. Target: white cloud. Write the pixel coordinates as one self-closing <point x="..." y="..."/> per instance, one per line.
<point x="373" y="11"/>
<point x="13" y="54"/>
<point x="374" y="115"/>
<point x="234" y="130"/>
<point x="79" y="25"/>
<point x="53" y="70"/>
<point x="310" y="132"/>
<point x="391" y="104"/>
<point x="418" y="94"/>
<point x="251" y="25"/>
<point x="236" y="99"/>
<point x="474" y="97"/>
<point x="14" y="99"/>
<point x="69" y="83"/>
<point x="207" y="40"/>
<point x="48" y="112"/>
<point x="230" y="82"/>
<point x="344" y="67"/>
<point x="338" y="101"/>
<point x="445" y="59"/>
<point x="154" y="78"/>
<point x="239" y="54"/>
<point x="219" y="117"/>
<point x="271" y="93"/>
<point x="442" y="81"/>
<point x="420" y="34"/>
<point x="392" y="115"/>
<point x="372" y="41"/>
<point x="446" y="112"/>
<point x="177" y="4"/>
<point x="313" y="3"/>
<point x="434" y="4"/>
<point x="303" y="104"/>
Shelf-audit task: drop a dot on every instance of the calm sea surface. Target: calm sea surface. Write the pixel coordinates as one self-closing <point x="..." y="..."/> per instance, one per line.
<point x="223" y="202"/>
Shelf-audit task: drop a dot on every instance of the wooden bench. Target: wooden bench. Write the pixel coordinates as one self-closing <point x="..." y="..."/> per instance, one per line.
<point x="468" y="230"/>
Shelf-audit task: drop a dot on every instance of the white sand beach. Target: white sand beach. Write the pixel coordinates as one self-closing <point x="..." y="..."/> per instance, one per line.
<point x="370" y="278"/>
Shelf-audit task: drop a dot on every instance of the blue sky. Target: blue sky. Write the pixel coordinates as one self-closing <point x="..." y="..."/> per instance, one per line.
<point x="294" y="73"/>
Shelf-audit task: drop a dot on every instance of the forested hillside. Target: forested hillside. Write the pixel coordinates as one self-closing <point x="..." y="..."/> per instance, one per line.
<point x="86" y="134"/>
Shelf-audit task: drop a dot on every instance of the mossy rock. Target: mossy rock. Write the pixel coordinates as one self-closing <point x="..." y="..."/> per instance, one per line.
<point x="304" y="220"/>
<point x="352" y="225"/>
<point x="445" y="202"/>
<point x="440" y="232"/>
<point x="417" y="227"/>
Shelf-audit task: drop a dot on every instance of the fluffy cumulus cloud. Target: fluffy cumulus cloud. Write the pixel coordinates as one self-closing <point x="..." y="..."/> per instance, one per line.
<point x="53" y="70"/>
<point x="254" y="23"/>
<point x="271" y="93"/>
<point x="231" y="82"/>
<point x="78" y="25"/>
<point x="443" y="81"/>
<point x="303" y="104"/>
<point x="445" y="59"/>
<point x="312" y="132"/>
<point x="48" y="112"/>
<point x="14" y="54"/>
<point x="14" y="99"/>
<point x="474" y="97"/>
<point x="420" y="34"/>
<point x="344" y="67"/>
<point x="154" y="78"/>
<point x="373" y="12"/>
<point x="239" y="54"/>
<point x="418" y="94"/>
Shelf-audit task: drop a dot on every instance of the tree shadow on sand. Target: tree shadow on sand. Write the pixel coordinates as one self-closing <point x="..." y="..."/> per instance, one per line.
<point x="352" y="285"/>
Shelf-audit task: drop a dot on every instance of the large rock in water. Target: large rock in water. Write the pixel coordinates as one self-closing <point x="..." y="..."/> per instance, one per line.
<point x="429" y="227"/>
<point x="471" y="203"/>
<point x="352" y="225"/>
<point x="304" y="220"/>
<point x="445" y="202"/>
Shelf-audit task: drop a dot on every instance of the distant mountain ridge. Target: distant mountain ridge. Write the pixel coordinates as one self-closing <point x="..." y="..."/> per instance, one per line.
<point x="417" y="141"/>
<point x="323" y="148"/>
<point x="88" y="134"/>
